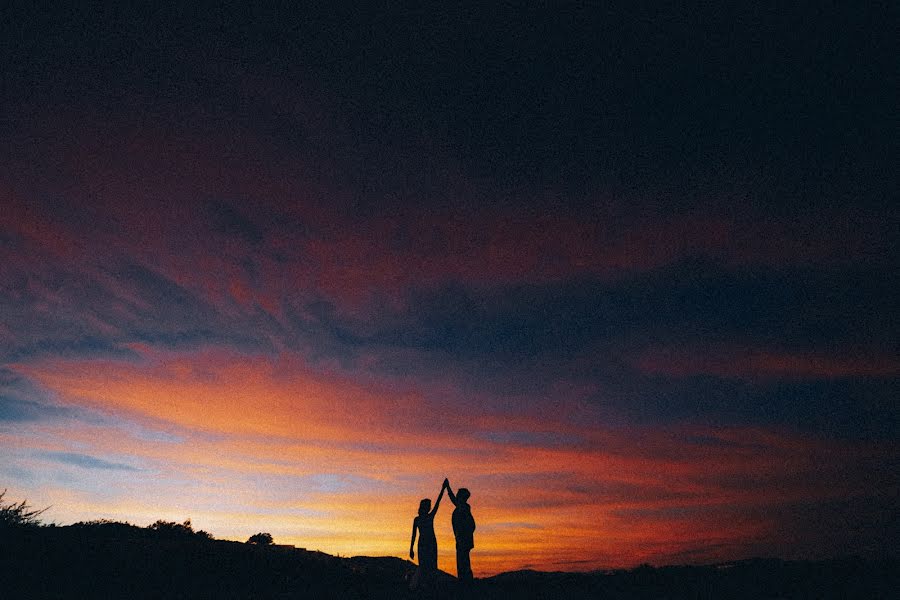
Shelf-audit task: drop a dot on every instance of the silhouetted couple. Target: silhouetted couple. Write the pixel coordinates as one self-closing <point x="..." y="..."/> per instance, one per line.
<point x="463" y="529"/>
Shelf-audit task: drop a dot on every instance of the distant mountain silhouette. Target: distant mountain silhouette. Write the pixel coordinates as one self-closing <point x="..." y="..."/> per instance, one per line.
<point x="116" y="560"/>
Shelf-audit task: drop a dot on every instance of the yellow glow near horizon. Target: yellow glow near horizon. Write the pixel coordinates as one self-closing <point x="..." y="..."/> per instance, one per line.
<point x="241" y="444"/>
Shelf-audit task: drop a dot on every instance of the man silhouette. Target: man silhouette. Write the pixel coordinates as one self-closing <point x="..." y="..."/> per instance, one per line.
<point x="463" y="529"/>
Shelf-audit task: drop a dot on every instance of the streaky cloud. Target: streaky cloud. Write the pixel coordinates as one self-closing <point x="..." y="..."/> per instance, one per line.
<point x="86" y="461"/>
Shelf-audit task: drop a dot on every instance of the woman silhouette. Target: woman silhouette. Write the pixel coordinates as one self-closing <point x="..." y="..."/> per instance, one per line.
<point x="424" y="523"/>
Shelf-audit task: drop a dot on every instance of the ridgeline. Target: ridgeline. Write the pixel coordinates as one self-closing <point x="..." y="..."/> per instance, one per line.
<point x="117" y="560"/>
<point x="110" y="559"/>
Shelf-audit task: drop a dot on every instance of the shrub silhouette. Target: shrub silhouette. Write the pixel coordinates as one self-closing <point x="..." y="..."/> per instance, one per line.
<point x="261" y="539"/>
<point x="172" y="530"/>
<point x="110" y="529"/>
<point x="18" y="515"/>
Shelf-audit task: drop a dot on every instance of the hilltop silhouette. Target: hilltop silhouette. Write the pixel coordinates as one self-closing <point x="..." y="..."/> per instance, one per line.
<point x="114" y="560"/>
<point x="109" y="559"/>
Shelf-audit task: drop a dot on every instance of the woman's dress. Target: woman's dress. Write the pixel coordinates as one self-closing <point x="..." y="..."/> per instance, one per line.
<point x="427" y="542"/>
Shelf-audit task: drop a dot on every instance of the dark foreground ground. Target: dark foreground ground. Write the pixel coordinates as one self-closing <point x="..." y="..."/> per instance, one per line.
<point x="73" y="562"/>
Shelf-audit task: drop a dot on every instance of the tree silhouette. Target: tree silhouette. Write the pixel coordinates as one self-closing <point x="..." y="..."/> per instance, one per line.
<point x="261" y="539"/>
<point x="18" y="515"/>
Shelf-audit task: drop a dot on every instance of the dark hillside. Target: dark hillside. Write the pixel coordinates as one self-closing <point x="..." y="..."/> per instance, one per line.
<point x="752" y="579"/>
<point x="115" y="560"/>
<point x="121" y="561"/>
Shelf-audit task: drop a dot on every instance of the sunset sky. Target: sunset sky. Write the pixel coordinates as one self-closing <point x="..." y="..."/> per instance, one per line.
<point x="630" y="276"/>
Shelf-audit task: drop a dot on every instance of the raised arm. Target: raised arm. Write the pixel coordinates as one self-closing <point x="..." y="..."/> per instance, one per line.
<point x="412" y="540"/>
<point x="450" y="492"/>
<point x="437" y="502"/>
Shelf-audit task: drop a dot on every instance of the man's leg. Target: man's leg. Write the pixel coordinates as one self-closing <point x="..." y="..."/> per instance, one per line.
<point x="463" y="564"/>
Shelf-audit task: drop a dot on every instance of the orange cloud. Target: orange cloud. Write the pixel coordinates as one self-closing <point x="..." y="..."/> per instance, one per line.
<point x="248" y="443"/>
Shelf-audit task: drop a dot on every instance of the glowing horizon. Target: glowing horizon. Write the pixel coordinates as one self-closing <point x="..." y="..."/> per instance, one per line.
<point x="241" y="444"/>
